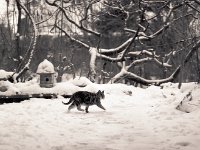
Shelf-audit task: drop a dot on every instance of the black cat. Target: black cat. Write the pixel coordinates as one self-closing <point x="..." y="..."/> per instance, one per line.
<point x="85" y="98"/>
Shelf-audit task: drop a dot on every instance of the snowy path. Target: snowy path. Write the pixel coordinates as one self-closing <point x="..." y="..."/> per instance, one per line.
<point x="146" y="120"/>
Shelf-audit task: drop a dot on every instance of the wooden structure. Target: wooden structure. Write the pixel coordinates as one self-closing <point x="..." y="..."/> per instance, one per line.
<point x="46" y="72"/>
<point x="46" y="80"/>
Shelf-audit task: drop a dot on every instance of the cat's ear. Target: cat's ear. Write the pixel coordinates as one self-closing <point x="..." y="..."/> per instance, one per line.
<point x="99" y="91"/>
<point x="102" y="92"/>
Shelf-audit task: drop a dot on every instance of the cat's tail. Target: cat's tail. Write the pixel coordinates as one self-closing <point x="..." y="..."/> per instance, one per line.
<point x="67" y="102"/>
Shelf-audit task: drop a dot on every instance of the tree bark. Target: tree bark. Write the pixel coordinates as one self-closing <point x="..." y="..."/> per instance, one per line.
<point x="17" y="36"/>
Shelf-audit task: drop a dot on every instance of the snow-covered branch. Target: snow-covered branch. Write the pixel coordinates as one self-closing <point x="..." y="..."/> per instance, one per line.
<point x="129" y="75"/>
<point x="146" y="60"/>
<point x="117" y="49"/>
<point x="167" y="23"/>
<point x="32" y="47"/>
<point x="124" y="53"/>
<point x="149" y="52"/>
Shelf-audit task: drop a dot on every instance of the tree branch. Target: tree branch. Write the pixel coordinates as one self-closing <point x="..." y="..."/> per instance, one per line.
<point x="31" y="50"/>
<point x="82" y="27"/>
<point x="71" y="38"/>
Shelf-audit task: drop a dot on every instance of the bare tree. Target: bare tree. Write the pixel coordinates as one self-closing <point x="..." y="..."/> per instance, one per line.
<point x="24" y="65"/>
<point x="140" y="32"/>
<point x="150" y="32"/>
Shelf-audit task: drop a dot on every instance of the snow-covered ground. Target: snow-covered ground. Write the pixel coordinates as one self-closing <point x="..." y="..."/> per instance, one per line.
<point x="135" y="119"/>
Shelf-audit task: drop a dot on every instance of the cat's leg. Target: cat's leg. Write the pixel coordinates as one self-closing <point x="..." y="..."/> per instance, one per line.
<point x="86" y="109"/>
<point x="79" y="108"/>
<point x="71" y="107"/>
<point x="100" y="106"/>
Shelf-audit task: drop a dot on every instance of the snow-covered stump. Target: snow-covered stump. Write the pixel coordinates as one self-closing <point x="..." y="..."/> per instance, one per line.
<point x="46" y="72"/>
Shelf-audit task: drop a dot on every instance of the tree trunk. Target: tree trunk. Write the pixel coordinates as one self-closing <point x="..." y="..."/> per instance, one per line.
<point x="17" y="40"/>
<point x="93" y="57"/>
<point x="198" y="67"/>
<point x="30" y="51"/>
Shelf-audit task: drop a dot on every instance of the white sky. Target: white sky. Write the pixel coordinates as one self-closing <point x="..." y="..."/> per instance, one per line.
<point x="2" y="6"/>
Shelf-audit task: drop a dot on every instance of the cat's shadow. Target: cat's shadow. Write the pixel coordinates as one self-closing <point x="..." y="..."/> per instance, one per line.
<point x="91" y="113"/>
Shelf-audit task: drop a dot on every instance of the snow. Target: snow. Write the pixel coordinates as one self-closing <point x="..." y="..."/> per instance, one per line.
<point x="80" y="81"/>
<point x="150" y="15"/>
<point x="135" y="118"/>
<point x="5" y="74"/>
<point x="45" y="67"/>
<point x="7" y="88"/>
<point x="33" y="87"/>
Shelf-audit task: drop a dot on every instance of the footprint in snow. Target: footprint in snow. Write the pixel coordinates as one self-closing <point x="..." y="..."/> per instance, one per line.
<point x="183" y="143"/>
